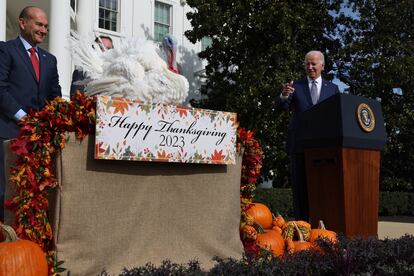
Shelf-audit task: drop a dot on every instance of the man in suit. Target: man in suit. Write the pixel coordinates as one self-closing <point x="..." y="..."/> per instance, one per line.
<point x="78" y="76"/>
<point x="299" y="96"/>
<point x="28" y="78"/>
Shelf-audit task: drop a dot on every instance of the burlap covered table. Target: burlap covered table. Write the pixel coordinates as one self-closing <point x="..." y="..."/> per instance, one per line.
<point x="115" y="214"/>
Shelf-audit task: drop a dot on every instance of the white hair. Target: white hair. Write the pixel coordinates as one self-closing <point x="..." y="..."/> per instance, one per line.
<point x="313" y="52"/>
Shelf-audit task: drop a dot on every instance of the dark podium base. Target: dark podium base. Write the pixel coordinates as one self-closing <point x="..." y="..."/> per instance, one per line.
<point x="343" y="185"/>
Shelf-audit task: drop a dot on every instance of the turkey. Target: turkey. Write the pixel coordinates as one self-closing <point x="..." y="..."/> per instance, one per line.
<point x="132" y="69"/>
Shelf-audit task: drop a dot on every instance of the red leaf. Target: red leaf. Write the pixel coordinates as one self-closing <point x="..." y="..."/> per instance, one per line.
<point x="20" y="145"/>
<point x="217" y="157"/>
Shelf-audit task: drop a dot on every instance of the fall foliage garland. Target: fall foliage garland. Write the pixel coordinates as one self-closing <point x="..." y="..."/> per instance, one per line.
<point x="251" y="166"/>
<point x="43" y="134"/>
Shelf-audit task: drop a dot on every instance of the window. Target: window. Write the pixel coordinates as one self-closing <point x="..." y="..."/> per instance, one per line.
<point x="108" y="15"/>
<point x="162" y="22"/>
<point x="206" y="42"/>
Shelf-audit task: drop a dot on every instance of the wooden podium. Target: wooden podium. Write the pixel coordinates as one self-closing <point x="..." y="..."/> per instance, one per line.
<point x="342" y="138"/>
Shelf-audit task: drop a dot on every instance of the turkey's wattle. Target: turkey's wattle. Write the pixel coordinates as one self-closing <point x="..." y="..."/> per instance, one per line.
<point x="169" y="44"/>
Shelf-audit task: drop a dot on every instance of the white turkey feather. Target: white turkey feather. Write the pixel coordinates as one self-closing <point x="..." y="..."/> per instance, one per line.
<point x="133" y="69"/>
<point x="85" y="56"/>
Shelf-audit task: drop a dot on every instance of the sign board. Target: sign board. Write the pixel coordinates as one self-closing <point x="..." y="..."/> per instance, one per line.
<point x="127" y="129"/>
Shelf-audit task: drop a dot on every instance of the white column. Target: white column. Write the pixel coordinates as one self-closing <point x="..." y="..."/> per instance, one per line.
<point x="85" y="16"/>
<point x="59" y="26"/>
<point x="3" y="17"/>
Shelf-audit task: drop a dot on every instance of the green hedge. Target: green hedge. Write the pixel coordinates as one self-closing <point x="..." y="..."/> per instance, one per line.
<point x="393" y="184"/>
<point x="391" y="203"/>
<point x="396" y="204"/>
<point x="277" y="199"/>
<point x="349" y="257"/>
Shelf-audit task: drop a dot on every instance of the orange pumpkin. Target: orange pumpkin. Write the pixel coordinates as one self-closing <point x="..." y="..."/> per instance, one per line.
<point x="300" y="245"/>
<point x="20" y="257"/>
<point x="261" y="214"/>
<point x="290" y="246"/>
<point x="277" y="229"/>
<point x="290" y="230"/>
<point x="321" y="232"/>
<point x="278" y="221"/>
<point x="271" y="240"/>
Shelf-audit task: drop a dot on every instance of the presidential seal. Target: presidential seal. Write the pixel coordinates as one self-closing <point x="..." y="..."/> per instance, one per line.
<point x="365" y="117"/>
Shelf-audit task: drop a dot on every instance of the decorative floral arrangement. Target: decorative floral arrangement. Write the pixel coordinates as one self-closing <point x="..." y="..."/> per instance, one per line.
<point x="251" y="166"/>
<point x="43" y="135"/>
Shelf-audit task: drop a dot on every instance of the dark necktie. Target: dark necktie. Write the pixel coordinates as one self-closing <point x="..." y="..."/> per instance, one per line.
<point x="35" y="62"/>
<point x="314" y="92"/>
